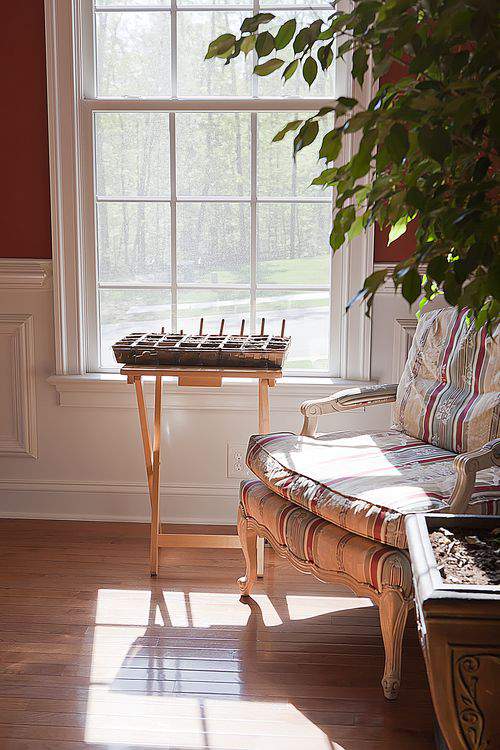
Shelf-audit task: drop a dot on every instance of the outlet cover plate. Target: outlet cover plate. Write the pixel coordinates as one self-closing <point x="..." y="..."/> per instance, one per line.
<point x="236" y="467"/>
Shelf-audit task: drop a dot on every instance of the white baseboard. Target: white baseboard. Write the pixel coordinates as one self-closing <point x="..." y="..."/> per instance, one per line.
<point x="124" y="502"/>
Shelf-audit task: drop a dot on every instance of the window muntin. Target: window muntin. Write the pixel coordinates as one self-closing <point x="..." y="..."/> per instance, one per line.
<point x="196" y="212"/>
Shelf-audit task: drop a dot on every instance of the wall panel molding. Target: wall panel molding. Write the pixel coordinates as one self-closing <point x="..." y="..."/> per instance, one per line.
<point x="116" y="501"/>
<point x="17" y="337"/>
<point x="20" y="273"/>
<point x="404" y="329"/>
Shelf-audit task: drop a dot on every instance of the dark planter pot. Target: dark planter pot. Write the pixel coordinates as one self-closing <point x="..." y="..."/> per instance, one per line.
<point x="459" y="629"/>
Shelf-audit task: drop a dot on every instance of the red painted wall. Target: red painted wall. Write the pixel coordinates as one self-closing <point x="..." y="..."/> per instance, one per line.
<point x="404" y="245"/>
<point x="24" y="187"/>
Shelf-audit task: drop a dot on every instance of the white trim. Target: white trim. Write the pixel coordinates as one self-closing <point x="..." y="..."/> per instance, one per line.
<point x="23" y="441"/>
<point x="404" y="329"/>
<point x="62" y="87"/>
<point x="20" y="273"/>
<point x="62" y="500"/>
<point x="112" y="391"/>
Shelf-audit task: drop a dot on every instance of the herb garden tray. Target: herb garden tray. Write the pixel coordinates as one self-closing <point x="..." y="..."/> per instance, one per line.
<point x="212" y="350"/>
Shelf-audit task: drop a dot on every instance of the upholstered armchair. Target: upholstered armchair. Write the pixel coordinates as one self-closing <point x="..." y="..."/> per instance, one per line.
<point x="334" y="504"/>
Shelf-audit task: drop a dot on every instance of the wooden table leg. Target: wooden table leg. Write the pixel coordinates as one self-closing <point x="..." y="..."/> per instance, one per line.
<point x="155" y="489"/>
<point x="146" y="443"/>
<point x="264" y="429"/>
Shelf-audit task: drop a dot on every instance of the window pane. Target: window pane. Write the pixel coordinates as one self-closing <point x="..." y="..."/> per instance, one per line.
<point x="134" y="241"/>
<point x="212" y="306"/>
<point x="277" y="171"/>
<point x="133" y="54"/>
<point x="213" y="242"/>
<point x="132" y="154"/>
<point x="123" y="311"/>
<point x="307" y="322"/>
<point x="273" y="85"/>
<point x="220" y="165"/>
<point x="293" y="243"/>
<point x="199" y="77"/>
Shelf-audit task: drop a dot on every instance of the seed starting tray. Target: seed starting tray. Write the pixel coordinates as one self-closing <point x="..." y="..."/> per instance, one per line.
<point x="209" y="350"/>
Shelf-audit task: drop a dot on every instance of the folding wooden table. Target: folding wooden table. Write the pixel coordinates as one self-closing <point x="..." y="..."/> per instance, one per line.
<point x="189" y="376"/>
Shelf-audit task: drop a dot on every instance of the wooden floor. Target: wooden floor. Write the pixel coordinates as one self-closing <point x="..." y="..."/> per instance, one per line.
<point x="94" y="654"/>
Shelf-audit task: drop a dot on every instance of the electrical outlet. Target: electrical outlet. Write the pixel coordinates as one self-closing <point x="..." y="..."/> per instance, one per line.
<point x="236" y="467"/>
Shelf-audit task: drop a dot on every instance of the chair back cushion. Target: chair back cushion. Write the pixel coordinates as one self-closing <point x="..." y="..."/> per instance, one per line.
<point x="449" y="391"/>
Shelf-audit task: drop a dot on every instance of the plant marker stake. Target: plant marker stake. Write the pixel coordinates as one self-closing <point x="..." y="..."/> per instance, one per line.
<point x="221" y="327"/>
<point x="283" y="322"/>
<point x="262" y="326"/>
<point x="201" y="326"/>
<point x="242" y="327"/>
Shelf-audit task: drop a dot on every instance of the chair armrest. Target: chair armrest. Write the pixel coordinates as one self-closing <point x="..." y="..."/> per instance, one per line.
<point x="467" y="465"/>
<point x="353" y="398"/>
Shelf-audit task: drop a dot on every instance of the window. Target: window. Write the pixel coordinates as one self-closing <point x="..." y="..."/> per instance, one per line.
<point x="169" y="200"/>
<point x="196" y="212"/>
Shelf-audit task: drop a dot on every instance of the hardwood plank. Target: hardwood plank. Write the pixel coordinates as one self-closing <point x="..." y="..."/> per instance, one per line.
<point x="96" y="655"/>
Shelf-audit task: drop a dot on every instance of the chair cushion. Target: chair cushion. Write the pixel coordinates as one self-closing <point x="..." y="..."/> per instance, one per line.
<point x="449" y="393"/>
<point x="328" y="547"/>
<point x="364" y="482"/>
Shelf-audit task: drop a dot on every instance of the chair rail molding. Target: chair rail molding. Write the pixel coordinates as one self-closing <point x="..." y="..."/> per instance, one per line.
<point x="404" y="329"/>
<point x="18" y="343"/>
<point x="25" y="273"/>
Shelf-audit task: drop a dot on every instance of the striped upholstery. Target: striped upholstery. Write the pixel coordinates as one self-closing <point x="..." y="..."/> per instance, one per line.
<point x="449" y="394"/>
<point x="329" y="547"/>
<point x="364" y="483"/>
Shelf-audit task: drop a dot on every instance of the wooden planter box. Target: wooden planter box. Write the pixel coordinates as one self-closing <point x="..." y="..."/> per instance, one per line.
<point x="459" y="629"/>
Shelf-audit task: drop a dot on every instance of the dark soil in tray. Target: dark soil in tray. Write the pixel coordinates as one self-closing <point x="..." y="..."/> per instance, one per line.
<point x="470" y="556"/>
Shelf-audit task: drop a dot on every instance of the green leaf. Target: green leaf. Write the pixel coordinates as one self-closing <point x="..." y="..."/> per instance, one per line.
<point x="264" y="44"/>
<point x="248" y="44"/>
<point x="220" y="46"/>
<point x="435" y="142"/>
<point x="268" y="67"/>
<point x="399" y="228"/>
<point x="285" y="33"/>
<point x="310" y="70"/>
<point x="305" y="136"/>
<point x="301" y="40"/>
<point x="292" y="125"/>
<point x="397" y="143"/>
<point x="437" y="267"/>
<point x="326" y="177"/>
<point x="347" y="101"/>
<point x="253" y="23"/>
<point x="290" y="69"/>
<point x="359" y="64"/>
<point x="325" y="56"/>
<point x="412" y="286"/>
<point x="415" y="198"/>
<point x="331" y="145"/>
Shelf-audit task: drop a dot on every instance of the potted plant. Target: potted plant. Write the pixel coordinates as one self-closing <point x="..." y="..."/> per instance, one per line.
<point x="456" y="572"/>
<point x="424" y="148"/>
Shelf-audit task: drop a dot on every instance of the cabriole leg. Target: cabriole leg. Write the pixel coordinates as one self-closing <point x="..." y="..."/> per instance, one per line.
<point x="393" y="613"/>
<point x="248" y="539"/>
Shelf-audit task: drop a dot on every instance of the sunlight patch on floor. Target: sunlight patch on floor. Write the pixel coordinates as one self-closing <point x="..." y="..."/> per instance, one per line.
<point x="142" y="672"/>
<point x="304" y="607"/>
<point x="192" y="723"/>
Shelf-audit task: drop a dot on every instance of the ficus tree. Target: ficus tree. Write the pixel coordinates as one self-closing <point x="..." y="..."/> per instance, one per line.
<point x="426" y="146"/>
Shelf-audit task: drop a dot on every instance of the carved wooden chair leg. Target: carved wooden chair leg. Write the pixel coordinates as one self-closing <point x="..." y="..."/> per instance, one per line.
<point x="393" y="611"/>
<point x="248" y="539"/>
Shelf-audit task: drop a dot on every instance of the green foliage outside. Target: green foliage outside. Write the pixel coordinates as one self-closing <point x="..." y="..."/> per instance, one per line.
<point x="425" y="148"/>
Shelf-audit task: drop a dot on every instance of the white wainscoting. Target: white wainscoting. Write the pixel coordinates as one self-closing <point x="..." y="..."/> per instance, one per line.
<point x="18" y="433"/>
<point x="90" y="460"/>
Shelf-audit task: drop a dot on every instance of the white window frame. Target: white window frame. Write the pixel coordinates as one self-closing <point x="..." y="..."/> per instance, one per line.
<point x="69" y="41"/>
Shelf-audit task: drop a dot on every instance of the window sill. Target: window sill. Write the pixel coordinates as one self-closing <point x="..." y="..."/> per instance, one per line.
<point x="112" y="391"/>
